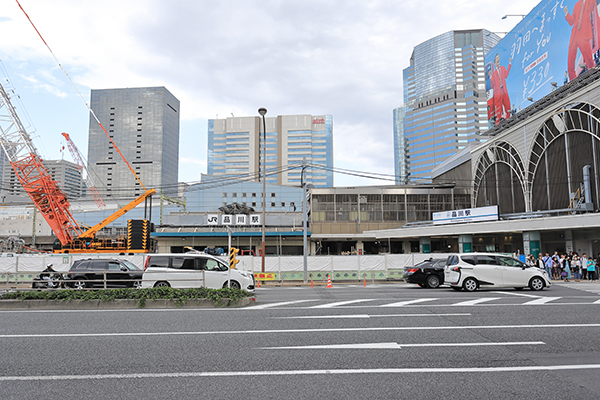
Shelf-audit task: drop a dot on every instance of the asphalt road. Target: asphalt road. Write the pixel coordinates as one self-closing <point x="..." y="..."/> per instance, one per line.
<point x="386" y="341"/>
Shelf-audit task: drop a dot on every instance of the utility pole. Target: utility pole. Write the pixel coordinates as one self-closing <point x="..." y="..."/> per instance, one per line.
<point x="304" y="218"/>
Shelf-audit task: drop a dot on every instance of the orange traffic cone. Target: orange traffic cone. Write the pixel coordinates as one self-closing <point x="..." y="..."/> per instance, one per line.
<point x="365" y="282"/>
<point x="258" y="284"/>
<point x="311" y="281"/>
<point x="329" y="281"/>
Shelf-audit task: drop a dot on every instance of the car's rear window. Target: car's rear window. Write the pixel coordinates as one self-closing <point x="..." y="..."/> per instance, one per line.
<point x="486" y="259"/>
<point x="158" y="261"/>
<point x="97" y="265"/>
<point x="469" y="259"/>
<point x="183" y="263"/>
<point x="81" y="265"/>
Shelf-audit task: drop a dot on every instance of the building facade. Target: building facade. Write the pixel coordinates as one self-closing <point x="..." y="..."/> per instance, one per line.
<point x="68" y="176"/>
<point x="235" y="148"/>
<point x="65" y="173"/>
<point x="445" y="105"/>
<point x="144" y="124"/>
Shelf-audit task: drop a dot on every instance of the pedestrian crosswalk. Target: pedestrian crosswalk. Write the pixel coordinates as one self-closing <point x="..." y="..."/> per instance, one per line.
<point x="589" y="287"/>
<point x="430" y="302"/>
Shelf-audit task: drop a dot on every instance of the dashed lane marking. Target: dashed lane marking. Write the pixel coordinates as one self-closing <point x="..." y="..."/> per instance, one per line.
<point x="341" y="303"/>
<point x="541" y="300"/>
<point x="407" y="302"/>
<point x="476" y="301"/>
<point x="394" y="345"/>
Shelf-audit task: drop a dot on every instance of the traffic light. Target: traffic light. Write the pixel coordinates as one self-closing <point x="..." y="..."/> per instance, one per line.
<point x="138" y="234"/>
<point x="232" y="257"/>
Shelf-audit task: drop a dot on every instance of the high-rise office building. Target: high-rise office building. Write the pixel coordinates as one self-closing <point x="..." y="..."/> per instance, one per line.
<point x="235" y="148"/>
<point x="445" y="105"/>
<point x="144" y="125"/>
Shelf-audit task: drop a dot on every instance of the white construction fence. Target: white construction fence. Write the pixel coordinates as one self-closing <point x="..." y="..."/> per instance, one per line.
<point x="277" y="268"/>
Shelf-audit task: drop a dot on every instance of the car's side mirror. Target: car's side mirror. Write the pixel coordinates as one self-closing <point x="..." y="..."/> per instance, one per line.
<point x="123" y="269"/>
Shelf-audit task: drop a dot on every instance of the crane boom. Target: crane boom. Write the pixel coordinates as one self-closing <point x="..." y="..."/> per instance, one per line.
<point x="78" y="158"/>
<point x="90" y="233"/>
<point x="37" y="182"/>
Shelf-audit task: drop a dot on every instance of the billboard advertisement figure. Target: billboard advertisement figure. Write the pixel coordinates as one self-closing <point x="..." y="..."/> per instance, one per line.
<point x="500" y="99"/>
<point x="583" y="19"/>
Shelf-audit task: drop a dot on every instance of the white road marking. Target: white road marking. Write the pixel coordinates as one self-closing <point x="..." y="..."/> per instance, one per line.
<point x="541" y="300"/>
<point x="596" y="302"/>
<point x="394" y="345"/>
<point x="340" y="303"/>
<point x="524" y="368"/>
<point x="310" y="330"/>
<point x="282" y="303"/>
<point x="373" y="316"/>
<point x="407" y="302"/>
<point x="476" y="301"/>
<point x="517" y="294"/>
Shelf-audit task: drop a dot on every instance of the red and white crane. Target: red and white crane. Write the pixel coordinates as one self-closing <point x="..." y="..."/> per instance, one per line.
<point x="50" y="200"/>
<point x="78" y="158"/>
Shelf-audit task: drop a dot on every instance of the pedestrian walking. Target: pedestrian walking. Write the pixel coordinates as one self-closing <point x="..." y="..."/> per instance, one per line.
<point x="555" y="266"/>
<point x="548" y="265"/>
<point x="565" y="267"/>
<point x="584" y="261"/>
<point x="591" y="269"/>
<point x="576" y="268"/>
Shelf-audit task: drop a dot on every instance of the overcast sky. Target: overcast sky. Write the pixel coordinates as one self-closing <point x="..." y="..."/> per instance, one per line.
<point x="339" y="57"/>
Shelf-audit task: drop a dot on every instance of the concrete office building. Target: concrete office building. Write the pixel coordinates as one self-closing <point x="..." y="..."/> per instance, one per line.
<point x="68" y="176"/>
<point x="444" y="102"/>
<point x="144" y="125"/>
<point x="65" y="173"/>
<point x="235" y="148"/>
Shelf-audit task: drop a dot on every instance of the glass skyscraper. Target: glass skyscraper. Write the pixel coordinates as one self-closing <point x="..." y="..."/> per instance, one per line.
<point x="144" y="124"/>
<point x="235" y="148"/>
<point x="445" y="106"/>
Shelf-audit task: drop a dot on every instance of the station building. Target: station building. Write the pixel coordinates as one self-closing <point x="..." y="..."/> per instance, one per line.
<point x="541" y="168"/>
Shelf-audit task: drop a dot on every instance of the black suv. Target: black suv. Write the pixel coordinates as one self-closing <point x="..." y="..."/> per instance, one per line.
<point x="102" y="272"/>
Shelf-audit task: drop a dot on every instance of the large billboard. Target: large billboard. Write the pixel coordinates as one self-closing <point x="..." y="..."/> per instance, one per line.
<point x="553" y="44"/>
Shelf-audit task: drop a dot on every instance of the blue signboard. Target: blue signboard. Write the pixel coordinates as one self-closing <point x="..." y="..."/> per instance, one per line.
<point x="554" y="43"/>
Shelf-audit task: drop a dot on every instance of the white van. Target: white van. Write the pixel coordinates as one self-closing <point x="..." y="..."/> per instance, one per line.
<point x="192" y="270"/>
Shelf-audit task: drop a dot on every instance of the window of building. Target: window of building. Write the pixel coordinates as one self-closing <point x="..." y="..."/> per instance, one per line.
<point x="224" y="194"/>
<point x="253" y="194"/>
<point x="272" y="194"/>
<point x="272" y="204"/>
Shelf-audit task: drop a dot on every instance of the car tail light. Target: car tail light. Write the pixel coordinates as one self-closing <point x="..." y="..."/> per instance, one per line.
<point x="146" y="263"/>
<point x="412" y="270"/>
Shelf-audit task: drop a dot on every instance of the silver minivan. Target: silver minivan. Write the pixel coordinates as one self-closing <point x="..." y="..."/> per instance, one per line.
<point x="193" y="270"/>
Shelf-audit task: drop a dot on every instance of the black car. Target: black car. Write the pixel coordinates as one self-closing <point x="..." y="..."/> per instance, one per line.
<point x="99" y="272"/>
<point x="429" y="273"/>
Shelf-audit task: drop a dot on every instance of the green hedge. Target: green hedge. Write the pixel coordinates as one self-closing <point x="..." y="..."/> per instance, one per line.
<point x="180" y="296"/>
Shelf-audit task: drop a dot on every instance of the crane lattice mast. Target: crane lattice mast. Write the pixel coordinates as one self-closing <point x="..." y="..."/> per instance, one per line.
<point x="50" y="200"/>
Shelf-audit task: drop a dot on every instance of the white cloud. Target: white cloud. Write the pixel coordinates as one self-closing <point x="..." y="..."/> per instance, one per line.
<point x="338" y="57"/>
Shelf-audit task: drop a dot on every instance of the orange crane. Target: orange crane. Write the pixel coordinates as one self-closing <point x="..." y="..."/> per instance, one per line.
<point x="78" y="158"/>
<point x="33" y="175"/>
<point x="45" y="193"/>
<point x="44" y="190"/>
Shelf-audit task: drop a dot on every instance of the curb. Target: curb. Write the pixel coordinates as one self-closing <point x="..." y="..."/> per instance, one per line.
<point x="117" y="304"/>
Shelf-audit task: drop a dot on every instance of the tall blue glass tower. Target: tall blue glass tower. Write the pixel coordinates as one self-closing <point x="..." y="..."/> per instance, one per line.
<point x="445" y="106"/>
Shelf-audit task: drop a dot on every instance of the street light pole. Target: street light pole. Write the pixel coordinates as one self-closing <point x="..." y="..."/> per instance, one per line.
<point x="262" y="111"/>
